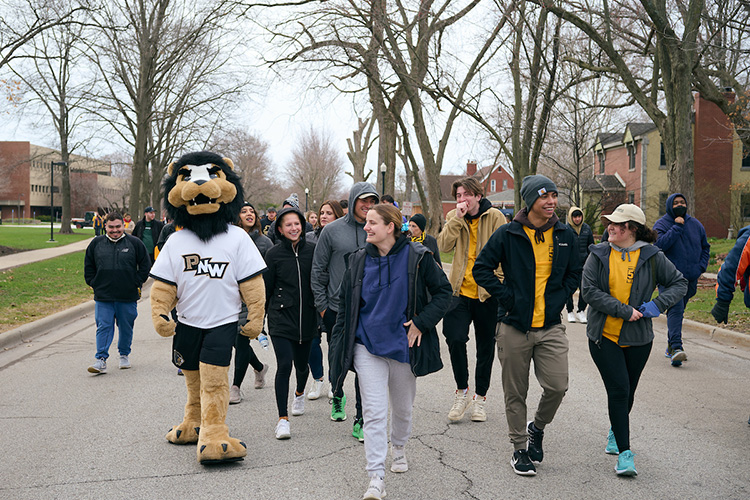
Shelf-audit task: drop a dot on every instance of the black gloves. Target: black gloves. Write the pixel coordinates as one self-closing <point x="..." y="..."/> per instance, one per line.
<point x="720" y="311"/>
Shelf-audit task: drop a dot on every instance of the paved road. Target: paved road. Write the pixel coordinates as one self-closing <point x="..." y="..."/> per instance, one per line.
<point x="68" y="434"/>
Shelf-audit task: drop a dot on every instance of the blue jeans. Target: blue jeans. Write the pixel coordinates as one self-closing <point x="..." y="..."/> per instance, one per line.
<point x="675" y="315"/>
<point x="107" y="314"/>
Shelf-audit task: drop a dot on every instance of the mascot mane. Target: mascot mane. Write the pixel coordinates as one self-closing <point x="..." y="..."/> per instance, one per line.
<point x="202" y="193"/>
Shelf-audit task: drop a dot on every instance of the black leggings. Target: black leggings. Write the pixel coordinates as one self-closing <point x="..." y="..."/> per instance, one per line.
<point x="329" y="320"/>
<point x="620" y="368"/>
<point x="244" y="356"/>
<point x="288" y="352"/>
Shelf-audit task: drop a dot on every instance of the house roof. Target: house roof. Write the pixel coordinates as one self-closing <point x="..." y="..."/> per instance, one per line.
<point x="638" y="129"/>
<point x="603" y="182"/>
<point x="507" y="196"/>
<point x="446" y="183"/>
<point x="606" y="138"/>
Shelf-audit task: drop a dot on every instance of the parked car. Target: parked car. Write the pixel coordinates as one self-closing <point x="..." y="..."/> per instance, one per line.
<point x="86" y="221"/>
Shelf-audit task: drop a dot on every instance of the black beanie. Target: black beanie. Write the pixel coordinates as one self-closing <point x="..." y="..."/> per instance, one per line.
<point x="534" y="186"/>
<point x="419" y="220"/>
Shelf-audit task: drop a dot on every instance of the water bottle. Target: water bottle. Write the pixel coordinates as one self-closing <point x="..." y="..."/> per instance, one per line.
<point x="263" y="339"/>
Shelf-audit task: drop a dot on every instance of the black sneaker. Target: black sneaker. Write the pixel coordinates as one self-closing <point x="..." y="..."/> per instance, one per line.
<point x="536" y="454"/>
<point x="522" y="464"/>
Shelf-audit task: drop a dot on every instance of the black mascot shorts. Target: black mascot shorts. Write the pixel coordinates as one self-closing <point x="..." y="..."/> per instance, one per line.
<point x="213" y="346"/>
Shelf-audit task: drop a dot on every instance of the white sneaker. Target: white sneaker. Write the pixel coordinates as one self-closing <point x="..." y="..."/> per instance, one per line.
<point x="298" y="405"/>
<point x="460" y="403"/>
<point x="124" y="363"/>
<point x="100" y="366"/>
<point x="316" y="390"/>
<point x="376" y="490"/>
<point x="399" y="463"/>
<point x="235" y="395"/>
<point x="282" y="429"/>
<point x="477" y="412"/>
<point x="330" y="393"/>
<point x="260" y="377"/>
<point x="581" y="315"/>
<point x="571" y="317"/>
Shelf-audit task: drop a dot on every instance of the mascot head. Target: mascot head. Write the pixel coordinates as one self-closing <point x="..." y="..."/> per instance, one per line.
<point x="202" y="193"/>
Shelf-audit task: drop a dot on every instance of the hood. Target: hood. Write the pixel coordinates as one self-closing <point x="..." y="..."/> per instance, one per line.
<point x="576" y="228"/>
<point x="358" y="190"/>
<point x="484" y="205"/>
<point x="277" y="227"/>
<point x="670" y="202"/>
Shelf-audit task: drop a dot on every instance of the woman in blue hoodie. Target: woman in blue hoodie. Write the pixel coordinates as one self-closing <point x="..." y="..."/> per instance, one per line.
<point x="392" y="296"/>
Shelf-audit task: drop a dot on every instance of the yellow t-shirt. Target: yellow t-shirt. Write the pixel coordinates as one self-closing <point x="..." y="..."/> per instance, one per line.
<point x="620" y="282"/>
<point x="543" y="253"/>
<point x="468" y="285"/>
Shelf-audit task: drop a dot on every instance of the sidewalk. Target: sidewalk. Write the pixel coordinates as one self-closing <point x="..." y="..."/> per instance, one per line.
<point x="22" y="258"/>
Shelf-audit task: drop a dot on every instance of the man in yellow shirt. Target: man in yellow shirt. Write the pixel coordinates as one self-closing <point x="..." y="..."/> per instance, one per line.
<point x="541" y="268"/>
<point x="466" y="230"/>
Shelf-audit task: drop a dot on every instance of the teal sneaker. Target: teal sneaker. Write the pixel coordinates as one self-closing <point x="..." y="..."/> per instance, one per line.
<point x="625" y="464"/>
<point x="611" y="448"/>
<point x="338" y="414"/>
<point x="358" y="430"/>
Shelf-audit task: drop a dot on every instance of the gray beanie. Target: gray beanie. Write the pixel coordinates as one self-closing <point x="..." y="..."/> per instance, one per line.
<point x="292" y="201"/>
<point x="534" y="186"/>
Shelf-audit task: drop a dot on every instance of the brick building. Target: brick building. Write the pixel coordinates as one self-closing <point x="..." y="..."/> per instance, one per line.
<point x="25" y="169"/>
<point x="630" y="168"/>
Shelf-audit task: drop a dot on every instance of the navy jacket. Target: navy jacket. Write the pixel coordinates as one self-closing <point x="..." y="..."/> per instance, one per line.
<point x="726" y="279"/>
<point x="116" y="270"/>
<point x="684" y="244"/>
<point x="510" y="247"/>
<point x="429" y="297"/>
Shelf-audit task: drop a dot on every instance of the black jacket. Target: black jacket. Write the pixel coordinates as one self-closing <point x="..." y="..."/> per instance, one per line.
<point x="511" y="247"/>
<point x="116" y="270"/>
<point x="289" y="299"/>
<point x="156" y="227"/>
<point x="585" y="239"/>
<point x="429" y="297"/>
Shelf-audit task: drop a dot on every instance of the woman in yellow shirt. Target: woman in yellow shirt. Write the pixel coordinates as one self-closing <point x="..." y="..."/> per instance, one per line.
<point x="619" y="278"/>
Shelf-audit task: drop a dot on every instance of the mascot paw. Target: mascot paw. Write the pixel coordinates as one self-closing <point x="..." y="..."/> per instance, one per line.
<point x="185" y="433"/>
<point x="250" y="330"/>
<point x="166" y="327"/>
<point x="224" y="450"/>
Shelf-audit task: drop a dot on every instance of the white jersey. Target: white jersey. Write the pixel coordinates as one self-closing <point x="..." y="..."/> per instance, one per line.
<point x="207" y="274"/>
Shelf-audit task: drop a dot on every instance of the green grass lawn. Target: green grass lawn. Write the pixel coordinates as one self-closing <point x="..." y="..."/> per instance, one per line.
<point x="699" y="309"/>
<point x="720" y="247"/>
<point x="446" y="258"/>
<point x="33" y="291"/>
<point x="32" y="238"/>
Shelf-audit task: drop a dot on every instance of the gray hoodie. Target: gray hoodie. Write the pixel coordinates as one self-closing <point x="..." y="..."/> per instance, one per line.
<point x="336" y="241"/>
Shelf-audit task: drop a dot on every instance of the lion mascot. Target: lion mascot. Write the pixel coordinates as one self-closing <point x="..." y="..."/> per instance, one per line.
<point x="206" y="270"/>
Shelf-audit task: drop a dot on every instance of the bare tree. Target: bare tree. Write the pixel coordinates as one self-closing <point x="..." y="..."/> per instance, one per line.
<point x="169" y="77"/>
<point x="315" y="165"/>
<point x="46" y="66"/>
<point x="359" y="145"/>
<point x="250" y="156"/>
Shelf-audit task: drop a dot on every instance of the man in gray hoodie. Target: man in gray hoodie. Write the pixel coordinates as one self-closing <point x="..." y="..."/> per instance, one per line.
<point x="338" y="239"/>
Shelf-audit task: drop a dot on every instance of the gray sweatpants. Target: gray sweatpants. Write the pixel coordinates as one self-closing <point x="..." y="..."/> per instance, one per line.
<point x="381" y="379"/>
<point x="515" y="350"/>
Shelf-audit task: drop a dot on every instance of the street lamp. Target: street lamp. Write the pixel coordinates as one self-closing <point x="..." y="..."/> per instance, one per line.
<point x="51" y="195"/>
<point x="383" y="168"/>
<point x="307" y="191"/>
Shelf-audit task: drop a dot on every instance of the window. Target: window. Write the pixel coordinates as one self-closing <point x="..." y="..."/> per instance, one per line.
<point x="631" y="156"/>
<point x="662" y="159"/>
<point x="505" y="184"/>
<point x="631" y="197"/>
<point x="745" y="206"/>
<point x="663" y="203"/>
<point x="493" y="186"/>
<point x="600" y="155"/>
<point x="745" y="158"/>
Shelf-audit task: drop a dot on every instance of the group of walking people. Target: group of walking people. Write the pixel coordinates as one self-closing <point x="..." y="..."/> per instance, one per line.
<point x="356" y="279"/>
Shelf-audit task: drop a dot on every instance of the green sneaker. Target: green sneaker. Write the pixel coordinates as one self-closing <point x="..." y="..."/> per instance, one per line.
<point x="611" y="448"/>
<point x="338" y="413"/>
<point x="358" y="431"/>
<point x="625" y="464"/>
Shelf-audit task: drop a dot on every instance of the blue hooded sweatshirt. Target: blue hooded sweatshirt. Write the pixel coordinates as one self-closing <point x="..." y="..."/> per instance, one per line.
<point x="684" y="244"/>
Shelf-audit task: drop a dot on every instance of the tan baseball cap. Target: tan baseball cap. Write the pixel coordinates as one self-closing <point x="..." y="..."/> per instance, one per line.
<point x="624" y="213"/>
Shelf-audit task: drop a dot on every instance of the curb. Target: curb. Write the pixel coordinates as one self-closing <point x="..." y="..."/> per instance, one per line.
<point x="711" y="332"/>
<point x="30" y="331"/>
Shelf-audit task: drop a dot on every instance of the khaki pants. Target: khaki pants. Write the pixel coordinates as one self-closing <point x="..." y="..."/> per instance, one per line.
<point x="515" y="350"/>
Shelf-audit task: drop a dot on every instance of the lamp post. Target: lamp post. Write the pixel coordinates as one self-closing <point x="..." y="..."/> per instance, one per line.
<point x="51" y="195"/>
<point x="383" y="168"/>
<point x="307" y="192"/>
